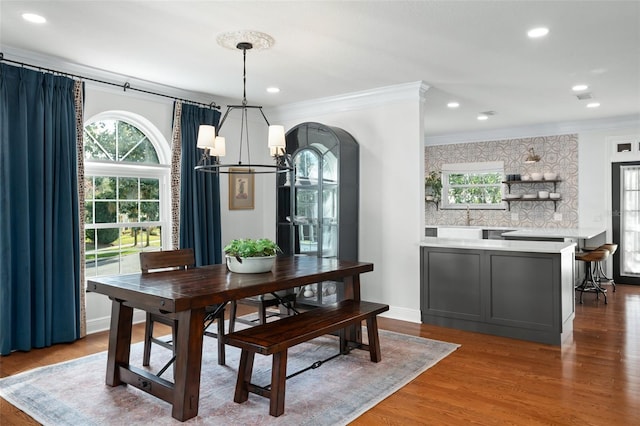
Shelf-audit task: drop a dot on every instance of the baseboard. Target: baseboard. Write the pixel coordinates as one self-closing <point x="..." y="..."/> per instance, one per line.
<point x="403" y="314"/>
<point x="101" y="324"/>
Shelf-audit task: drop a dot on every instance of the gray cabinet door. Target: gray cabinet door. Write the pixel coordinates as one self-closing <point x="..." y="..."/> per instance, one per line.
<point x="452" y="283"/>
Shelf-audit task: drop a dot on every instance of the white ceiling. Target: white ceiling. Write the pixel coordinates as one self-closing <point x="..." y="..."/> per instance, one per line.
<point x="474" y="52"/>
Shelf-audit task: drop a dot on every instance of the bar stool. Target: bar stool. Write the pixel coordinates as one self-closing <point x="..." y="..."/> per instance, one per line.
<point x="601" y="276"/>
<point x="589" y="284"/>
<point x="599" y="272"/>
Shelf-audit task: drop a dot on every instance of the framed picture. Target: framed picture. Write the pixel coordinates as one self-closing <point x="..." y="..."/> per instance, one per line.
<point x="241" y="189"/>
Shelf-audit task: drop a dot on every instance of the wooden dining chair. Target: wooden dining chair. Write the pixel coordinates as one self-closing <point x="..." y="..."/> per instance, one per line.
<point x="156" y="261"/>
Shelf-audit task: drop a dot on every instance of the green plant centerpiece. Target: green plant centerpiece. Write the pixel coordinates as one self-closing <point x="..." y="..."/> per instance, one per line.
<point x="433" y="186"/>
<point x="249" y="256"/>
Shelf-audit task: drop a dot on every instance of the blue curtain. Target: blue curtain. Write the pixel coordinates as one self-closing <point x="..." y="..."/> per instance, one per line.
<point x="199" y="191"/>
<point x="39" y="229"/>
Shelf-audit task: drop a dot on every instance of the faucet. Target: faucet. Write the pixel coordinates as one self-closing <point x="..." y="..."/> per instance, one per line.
<point x="469" y="220"/>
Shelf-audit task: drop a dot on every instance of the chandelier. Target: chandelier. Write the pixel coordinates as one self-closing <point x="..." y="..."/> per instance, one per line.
<point x="214" y="145"/>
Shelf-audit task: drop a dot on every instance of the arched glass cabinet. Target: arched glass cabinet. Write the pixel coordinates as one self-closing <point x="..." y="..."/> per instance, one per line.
<point x="318" y="201"/>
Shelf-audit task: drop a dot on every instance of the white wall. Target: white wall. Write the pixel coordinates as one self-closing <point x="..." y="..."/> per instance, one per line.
<point x="594" y="176"/>
<point x="387" y="124"/>
<point x="248" y="223"/>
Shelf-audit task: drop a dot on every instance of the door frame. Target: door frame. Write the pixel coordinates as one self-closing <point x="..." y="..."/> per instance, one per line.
<point x="615" y="221"/>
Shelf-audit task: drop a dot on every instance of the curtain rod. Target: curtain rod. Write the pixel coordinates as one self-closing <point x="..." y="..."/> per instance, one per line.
<point x="125" y="86"/>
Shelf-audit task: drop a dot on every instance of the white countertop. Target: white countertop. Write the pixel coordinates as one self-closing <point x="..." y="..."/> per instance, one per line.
<point x="580" y="233"/>
<point x="505" y="245"/>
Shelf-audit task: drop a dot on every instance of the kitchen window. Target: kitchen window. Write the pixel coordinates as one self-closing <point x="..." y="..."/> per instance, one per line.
<point x="473" y="185"/>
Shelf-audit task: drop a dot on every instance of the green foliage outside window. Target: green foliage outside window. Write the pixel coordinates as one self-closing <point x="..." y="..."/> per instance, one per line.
<point x="120" y="200"/>
<point x="118" y="141"/>
<point x="474" y="188"/>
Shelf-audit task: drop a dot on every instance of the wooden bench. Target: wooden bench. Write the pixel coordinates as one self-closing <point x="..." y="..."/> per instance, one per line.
<point x="276" y="337"/>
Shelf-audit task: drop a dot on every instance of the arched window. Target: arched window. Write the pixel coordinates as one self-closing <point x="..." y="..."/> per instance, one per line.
<point x="127" y="192"/>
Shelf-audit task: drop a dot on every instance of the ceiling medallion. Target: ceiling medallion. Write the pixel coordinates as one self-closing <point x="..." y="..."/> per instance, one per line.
<point x="231" y="39"/>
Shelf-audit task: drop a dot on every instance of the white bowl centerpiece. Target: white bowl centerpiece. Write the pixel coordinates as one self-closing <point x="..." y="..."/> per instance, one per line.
<point x="248" y="256"/>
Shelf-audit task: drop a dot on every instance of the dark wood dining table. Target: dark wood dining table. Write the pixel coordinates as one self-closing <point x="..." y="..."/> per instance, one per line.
<point x="184" y="295"/>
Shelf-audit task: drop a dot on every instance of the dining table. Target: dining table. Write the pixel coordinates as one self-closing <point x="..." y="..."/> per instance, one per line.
<point x="184" y="295"/>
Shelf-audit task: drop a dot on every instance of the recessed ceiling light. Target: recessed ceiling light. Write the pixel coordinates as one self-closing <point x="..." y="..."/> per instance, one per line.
<point x="538" y="32"/>
<point x="273" y="89"/>
<point x="32" y="17"/>
<point x="483" y="117"/>
<point x="593" y="105"/>
<point x="453" y="105"/>
<point x="579" y="87"/>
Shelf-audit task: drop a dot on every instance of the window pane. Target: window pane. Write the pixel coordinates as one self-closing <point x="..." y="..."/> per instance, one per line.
<point x="88" y="212"/>
<point x="128" y="212"/>
<point x="149" y="189"/>
<point x="100" y="140"/>
<point x="306" y="166"/>
<point x="88" y="188"/>
<point x="133" y="145"/>
<point x="153" y="237"/>
<point x="458" y="179"/>
<point x="107" y="236"/>
<point x="130" y="261"/>
<point x="105" y="188"/>
<point x="149" y="211"/>
<point x="105" y="212"/>
<point x="144" y="152"/>
<point x="127" y="188"/>
<point x="128" y="139"/>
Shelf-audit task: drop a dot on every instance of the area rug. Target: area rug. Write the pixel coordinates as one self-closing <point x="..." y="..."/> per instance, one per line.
<point x="337" y="392"/>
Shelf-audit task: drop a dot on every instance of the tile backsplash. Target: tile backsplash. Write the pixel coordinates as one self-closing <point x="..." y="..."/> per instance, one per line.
<point x="558" y="154"/>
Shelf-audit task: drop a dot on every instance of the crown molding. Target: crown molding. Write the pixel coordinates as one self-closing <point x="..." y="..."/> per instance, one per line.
<point x="545" y="129"/>
<point x="352" y="101"/>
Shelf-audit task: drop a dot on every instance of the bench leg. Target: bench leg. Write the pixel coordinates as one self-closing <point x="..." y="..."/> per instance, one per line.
<point x="244" y="376"/>
<point x="374" y="340"/>
<point x="278" y="383"/>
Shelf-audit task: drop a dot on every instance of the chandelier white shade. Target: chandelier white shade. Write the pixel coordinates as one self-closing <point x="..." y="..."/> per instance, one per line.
<point x="206" y="137"/>
<point x="219" y="150"/>
<point x="208" y="141"/>
<point x="277" y="142"/>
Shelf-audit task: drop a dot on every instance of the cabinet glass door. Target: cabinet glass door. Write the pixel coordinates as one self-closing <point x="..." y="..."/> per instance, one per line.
<point x="316" y="202"/>
<point x="329" y="204"/>
<point x="307" y="211"/>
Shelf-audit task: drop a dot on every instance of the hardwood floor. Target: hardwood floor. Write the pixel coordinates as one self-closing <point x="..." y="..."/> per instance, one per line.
<point x="592" y="379"/>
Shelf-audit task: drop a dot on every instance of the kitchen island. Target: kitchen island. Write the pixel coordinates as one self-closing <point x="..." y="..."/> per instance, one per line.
<point x="518" y="289"/>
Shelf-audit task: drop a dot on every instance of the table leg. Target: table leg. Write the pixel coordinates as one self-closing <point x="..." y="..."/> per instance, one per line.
<point x="188" y="364"/>
<point x="352" y="291"/>
<point x="352" y="287"/>
<point x="119" y="341"/>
